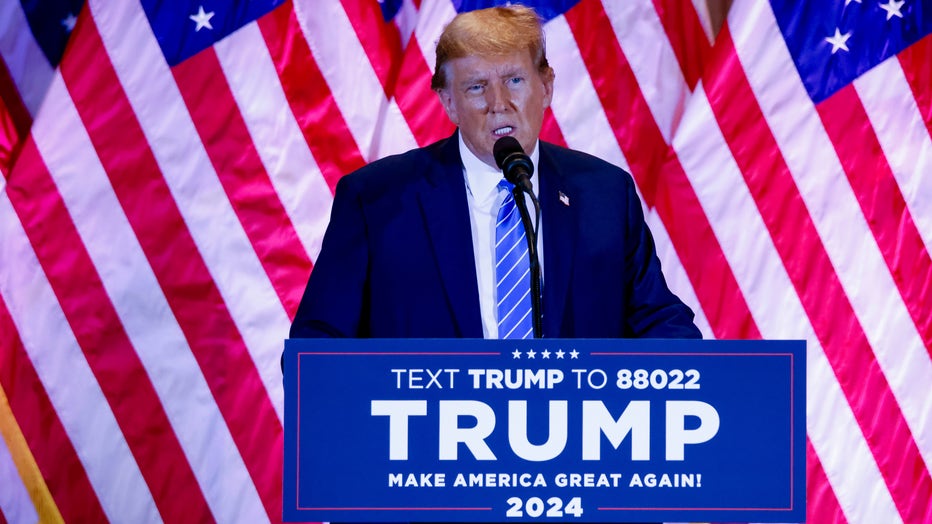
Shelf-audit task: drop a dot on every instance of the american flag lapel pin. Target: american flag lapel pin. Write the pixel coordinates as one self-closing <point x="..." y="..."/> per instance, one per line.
<point x="564" y="199"/>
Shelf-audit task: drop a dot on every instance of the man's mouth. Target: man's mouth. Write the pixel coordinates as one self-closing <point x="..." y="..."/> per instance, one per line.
<point x="502" y="131"/>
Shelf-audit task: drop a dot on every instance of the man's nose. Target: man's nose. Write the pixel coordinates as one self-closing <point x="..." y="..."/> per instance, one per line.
<point x="498" y="98"/>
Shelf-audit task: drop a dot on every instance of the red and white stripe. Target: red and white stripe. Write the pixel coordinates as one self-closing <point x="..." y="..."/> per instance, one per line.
<point x="159" y="225"/>
<point x="253" y="80"/>
<point x="139" y="302"/>
<point x="73" y="393"/>
<point x="793" y="167"/>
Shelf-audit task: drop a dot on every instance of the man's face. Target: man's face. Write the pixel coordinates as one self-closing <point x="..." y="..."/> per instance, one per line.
<point x="496" y="96"/>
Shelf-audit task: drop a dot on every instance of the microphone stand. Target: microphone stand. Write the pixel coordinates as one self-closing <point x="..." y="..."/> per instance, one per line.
<point x="530" y="230"/>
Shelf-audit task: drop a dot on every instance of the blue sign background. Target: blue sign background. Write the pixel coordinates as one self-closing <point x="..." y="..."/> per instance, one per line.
<point x="337" y="463"/>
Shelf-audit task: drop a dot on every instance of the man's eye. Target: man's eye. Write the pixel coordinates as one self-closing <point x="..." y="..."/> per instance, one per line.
<point x="475" y="88"/>
<point x="515" y="80"/>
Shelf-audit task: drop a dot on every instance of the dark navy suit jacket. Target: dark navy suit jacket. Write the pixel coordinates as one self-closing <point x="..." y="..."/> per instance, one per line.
<point x="397" y="258"/>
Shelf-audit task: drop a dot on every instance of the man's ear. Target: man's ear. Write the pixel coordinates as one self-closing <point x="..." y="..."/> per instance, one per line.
<point x="446" y="100"/>
<point x="547" y="78"/>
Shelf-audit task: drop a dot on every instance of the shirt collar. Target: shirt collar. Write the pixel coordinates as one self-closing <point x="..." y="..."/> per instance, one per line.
<point x="482" y="178"/>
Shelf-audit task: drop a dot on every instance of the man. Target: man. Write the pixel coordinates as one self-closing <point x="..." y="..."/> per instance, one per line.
<point x="410" y="250"/>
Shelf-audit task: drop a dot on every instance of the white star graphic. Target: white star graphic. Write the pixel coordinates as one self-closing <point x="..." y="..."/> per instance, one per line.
<point x="839" y="41"/>
<point x="892" y="7"/>
<point x="202" y="19"/>
<point x="545" y="353"/>
<point x="531" y="353"/>
<point x="560" y="353"/>
<point x="69" y="22"/>
<point x="516" y="354"/>
<point x="574" y="354"/>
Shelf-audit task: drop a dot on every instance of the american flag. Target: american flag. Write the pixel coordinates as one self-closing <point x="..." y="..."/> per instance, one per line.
<point x="168" y="169"/>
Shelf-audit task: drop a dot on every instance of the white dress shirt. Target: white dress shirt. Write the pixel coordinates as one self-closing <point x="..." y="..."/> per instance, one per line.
<point x="484" y="199"/>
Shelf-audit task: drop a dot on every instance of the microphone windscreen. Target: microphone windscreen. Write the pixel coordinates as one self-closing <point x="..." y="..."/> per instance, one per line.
<point x="505" y="146"/>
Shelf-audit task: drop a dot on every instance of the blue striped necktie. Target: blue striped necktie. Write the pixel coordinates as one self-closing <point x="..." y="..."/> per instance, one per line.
<point x="512" y="271"/>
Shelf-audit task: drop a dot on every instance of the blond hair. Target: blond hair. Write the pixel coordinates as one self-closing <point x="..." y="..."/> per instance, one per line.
<point x="490" y="32"/>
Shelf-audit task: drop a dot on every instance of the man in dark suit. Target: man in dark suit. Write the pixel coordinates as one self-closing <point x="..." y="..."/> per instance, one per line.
<point x="408" y="252"/>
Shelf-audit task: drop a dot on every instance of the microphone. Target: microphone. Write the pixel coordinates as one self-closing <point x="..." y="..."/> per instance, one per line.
<point x="514" y="163"/>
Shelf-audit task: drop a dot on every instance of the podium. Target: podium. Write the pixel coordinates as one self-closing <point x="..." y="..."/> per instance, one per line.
<point x="544" y="430"/>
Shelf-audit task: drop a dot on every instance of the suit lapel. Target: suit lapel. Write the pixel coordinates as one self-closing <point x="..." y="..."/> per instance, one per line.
<point x="442" y="197"/>
<point x="559" y="223"/>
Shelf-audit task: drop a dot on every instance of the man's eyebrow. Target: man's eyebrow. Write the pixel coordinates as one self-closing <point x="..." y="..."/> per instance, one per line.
<point x="474" y="79"/>
<point x="513" y="71"/>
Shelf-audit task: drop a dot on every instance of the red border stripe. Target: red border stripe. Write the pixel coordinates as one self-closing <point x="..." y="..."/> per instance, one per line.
<point x="185" y="279"/>
<point x="15" y="120"/>
<point x="229" y="145"/>
<point x="755" y="150"/>
<point x="687" y="37"/>
<point x="325" y="131"/>
<point x="55" y="456"/>
<point x="659" y="174"/>
<point x="9" y="140"/>
<point x="915" y="61"/>
<point x="869" y="173"/>
<point x="13" y="101"/>
<point x="97" y="327"/>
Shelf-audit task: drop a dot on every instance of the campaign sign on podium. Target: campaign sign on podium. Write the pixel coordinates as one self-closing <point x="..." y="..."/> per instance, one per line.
<point x="544" y="430"/>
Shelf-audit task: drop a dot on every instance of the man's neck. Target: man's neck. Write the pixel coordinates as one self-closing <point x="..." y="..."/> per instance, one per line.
<point x="474" y="164"/>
